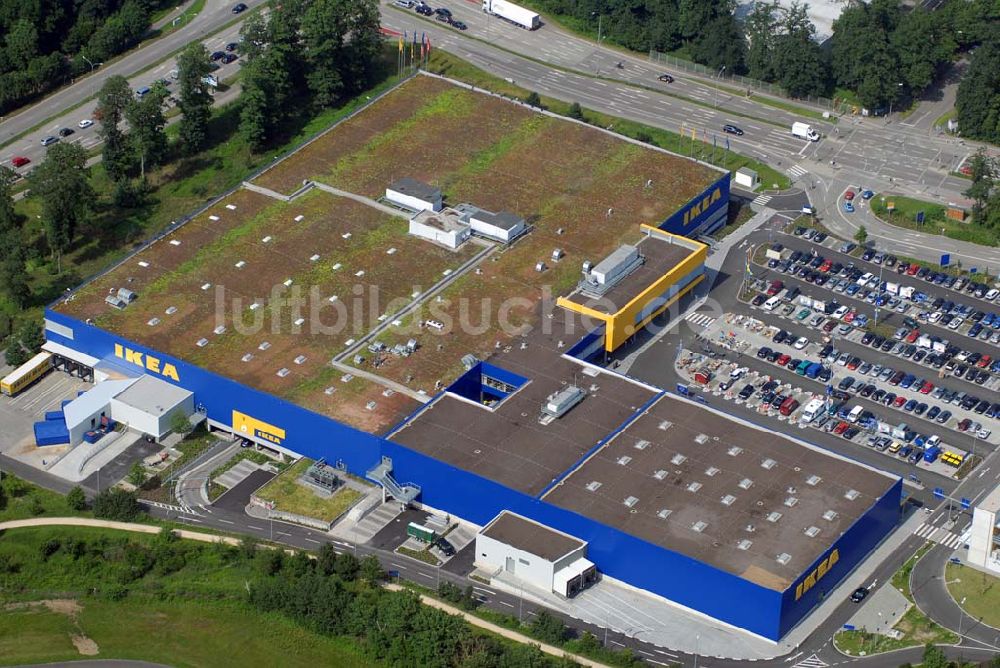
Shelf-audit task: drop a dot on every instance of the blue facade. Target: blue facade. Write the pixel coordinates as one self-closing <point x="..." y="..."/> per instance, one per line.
<point x="677" y="577"/>
<point x="702" y="214"/>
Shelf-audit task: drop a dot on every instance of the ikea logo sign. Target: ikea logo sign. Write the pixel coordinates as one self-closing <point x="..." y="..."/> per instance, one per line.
<point x="701" y="206"/>
<point x="817" y="574"/>
<point x="244" y="424"/>
<point x="147" y="362"/>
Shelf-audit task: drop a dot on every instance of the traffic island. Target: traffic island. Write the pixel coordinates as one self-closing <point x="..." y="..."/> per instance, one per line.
<point x="309" y="493"/>
<point x="976" y="592"/>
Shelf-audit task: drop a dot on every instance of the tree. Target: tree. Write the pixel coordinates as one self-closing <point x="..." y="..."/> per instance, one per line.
<point x="195" y="102"/>
<point x="13" y="275"/>
<point x="861" y="235"/>
<point x="113" y="100"/>
<point x="575" y="111"/>
<point x="800" y="63"/>
<point x="934" y="657"/>
<point x="31" y="336"/>
<point x="145" y="117"/>
<point x="548" y="628"/>
<point x="61" y="183"/>
<point x="248" y="547"/>
<point x="270" y="562"/>
<point x="137" y="474"/>
<point x="761" y="26"/>
<point x="180" y="424"/>
<point x="533" y="100"/>
<point x="371" y="570"/>
<point x="76" y="499"/>
<point x="346" y="567"/>
<point x="15" y="355"/>
<point x="117" y="504"/>
<point x="326" y="559"/>
<point x="982" y="184"/>
<point x="8" y="216"/>
<point x="254" y="112"/>
<point x="978" y="98"/>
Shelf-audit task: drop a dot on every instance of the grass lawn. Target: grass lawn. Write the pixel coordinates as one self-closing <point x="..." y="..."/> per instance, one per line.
<point x="25" y="500"/>
<point x="917" y="630"/>
<point x="904" y="215"/>
<point x="423" y="555"/>
<point x="442" y="62"/>
<point x="293" y="497"/>
<point x="177" y="633"/>
<point x="979" y="591"/>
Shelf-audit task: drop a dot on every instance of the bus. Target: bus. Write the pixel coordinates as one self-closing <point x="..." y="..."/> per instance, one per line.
<point x="26" y="374"/>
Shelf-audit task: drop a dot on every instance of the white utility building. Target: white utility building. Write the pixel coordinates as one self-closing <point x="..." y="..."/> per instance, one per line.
<point x="503" y="226"/>
<point x="445" y="228"/>
<point x="549" y="560"/>
<point x="84" y="413"/>
<point x="984" y="536"/>
<point x="148" y="405"/>
<point x="414" y="195"/>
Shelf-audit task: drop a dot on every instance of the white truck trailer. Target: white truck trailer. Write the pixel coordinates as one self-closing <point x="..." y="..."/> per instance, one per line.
<point x="519" y="16"/>
<point x="804" y="131"/>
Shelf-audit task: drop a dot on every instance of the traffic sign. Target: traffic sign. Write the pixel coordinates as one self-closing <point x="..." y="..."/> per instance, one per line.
<point x="938" y="493"/>
<point x="965" y="502"/>
<point x="945" y="259"/>
<point x="920" y="217"/>
<point x="973" y="270"/>
<point x="393" y="574"/>
<point x="682" y="390"/>
<point x="848" y="627"/>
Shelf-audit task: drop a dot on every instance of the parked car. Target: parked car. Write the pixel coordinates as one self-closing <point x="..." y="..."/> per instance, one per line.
<point x="732" y="129"/>
<point x="20" y="160"/>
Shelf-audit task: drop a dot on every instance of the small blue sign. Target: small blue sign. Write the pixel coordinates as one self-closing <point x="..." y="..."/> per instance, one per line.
<point x="945" y="259"/>
<point x="914" y="478"/>
<point x="938" y="493"/>
<point x="682" y="390"/>
<point x="920" y="217"/>
<point x="393" y="574"/>
<point x="965" y="502"/>
<point x="848" y="627"/>
<point x="973" y="270"/>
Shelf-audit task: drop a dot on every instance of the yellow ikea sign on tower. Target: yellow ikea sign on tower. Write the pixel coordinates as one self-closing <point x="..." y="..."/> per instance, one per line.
<point x="244" y="424"/>
<point x="817" y="574"/>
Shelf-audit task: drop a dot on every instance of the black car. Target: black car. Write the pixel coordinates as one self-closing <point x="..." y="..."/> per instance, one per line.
<point x="239" y="8"/>
<point x="732" y="130"/>
<point x="232" y="46"/>
<point x="443" y="11"/>
<point x="425" y="10"/>
<point x="229" y="58"/>
<point x="443" y="18"/>
<point x="859" y="594"/>
<point x="66" y="132"/>
<point x="746" y="392"/>
<point x="758" y="300"/>
<point x="763" y="353"/>
<point x="665" y="78"/>
<point x="446" y="548"/>
<point x="458" y="25"/>
<point x="217" y="55"/>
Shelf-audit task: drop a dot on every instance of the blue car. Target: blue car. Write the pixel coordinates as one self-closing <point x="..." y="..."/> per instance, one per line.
<point x="867" y="194"/>
<point x="848" y="207"/>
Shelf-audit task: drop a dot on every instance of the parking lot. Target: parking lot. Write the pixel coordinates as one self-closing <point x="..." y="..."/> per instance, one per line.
<point x="19" y="413"/>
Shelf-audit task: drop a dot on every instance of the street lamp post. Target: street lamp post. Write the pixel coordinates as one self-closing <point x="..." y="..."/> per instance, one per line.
<point x="89" y="62"/>
<point x="600" y="20"/>
<point x="898" y="85"/>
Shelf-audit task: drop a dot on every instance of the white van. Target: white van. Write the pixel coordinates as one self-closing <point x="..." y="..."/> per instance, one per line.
<point x="812" y="410"/>
<point x="855" y="413"/>
<point x="772" y="303"/>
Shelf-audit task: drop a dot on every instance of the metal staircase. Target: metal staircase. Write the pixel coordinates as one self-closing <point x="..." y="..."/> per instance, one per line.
<point x="382" y="474"/>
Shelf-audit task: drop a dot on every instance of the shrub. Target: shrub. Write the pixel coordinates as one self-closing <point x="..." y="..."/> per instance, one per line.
<point x="49" y="547"/>
<point x="117" y="505"/>
<point x="76" y="499"/>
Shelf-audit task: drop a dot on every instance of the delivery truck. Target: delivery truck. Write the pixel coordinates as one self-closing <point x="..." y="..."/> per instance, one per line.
<point x="519" y="16"/>
<point x="420" y="532"/>
<point x="804" y="131"/>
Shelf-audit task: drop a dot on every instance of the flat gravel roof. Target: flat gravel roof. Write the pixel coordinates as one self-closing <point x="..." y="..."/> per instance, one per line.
<point x="531" y="537"/>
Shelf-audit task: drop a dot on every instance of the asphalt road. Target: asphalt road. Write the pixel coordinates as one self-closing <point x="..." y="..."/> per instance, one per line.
<point x="214" y="15"/>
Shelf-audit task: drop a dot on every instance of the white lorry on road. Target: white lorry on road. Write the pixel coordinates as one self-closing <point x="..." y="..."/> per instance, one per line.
<point x="519" y="16"/>
<point x="804" y="131"/>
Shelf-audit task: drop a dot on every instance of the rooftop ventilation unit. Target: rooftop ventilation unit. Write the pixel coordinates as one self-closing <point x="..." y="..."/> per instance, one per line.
<point x="247" y="357"/>
<point x="600" y="278"/>
<point x="664" y="514"/>
<point x="701" y="439"/>
<point x="678" y="459"/>
<point x="734" y="451"/>
<point x="469" y="361"/>
<point x="593" y="486"/>
<point x="694" y="487"/>
<point x="773" y="516"/>
<point x="852" y="494"/>
<point x="746" y="483"/>
<point x="665" y="425"/>
<point x="750" y="528"/>
<point x="153" y="322"/>
<point x="744" y="544"/>
<point x="812" y="532"/>
<point x="768" y="464"/>
<point x="699" y="526"/>
<point x="220" y="329"/>
<point x="171" y="310"/>
<point x="264" y="346"/>
<point x="712" y="471"/>
<point x="660" y="475"/>
<point x="201" y="343"/>
<point x="631" y="501"/>
<point x="813" y="480"/>
<point x="559" y="403"/>
<point x="371" y="405"/>
<point x="622" y="461"/>
<point x="791" y="501"/>
<point x="300" y="359"/>
<point x="641" y="444"/>
<point x="784" y="558"/>
<point x="283" y="372"/>
<point x="830" y="515"/>
<point x="728" y="500"/>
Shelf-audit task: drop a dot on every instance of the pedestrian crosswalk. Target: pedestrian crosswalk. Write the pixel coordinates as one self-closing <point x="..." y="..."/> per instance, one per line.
<point x="699" y="319"/>
<point x="939" y="535"/>
<point x="795" y="171"/>
<point x="812" y="662"/>
<point x="761" y="200"/>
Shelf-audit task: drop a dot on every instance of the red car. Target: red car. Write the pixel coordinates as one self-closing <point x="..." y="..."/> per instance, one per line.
<point x="899" y="402"/>
<point x="984" y="361"/>
<point x="849" y="195"/>
<point x="849" y="316"/>
<point x="912" y="271"/>
<point x="825" y="267"/>
<point x="912" y="336"/>
<point x="828" y="327"/>
<point x="783" y="359"/>
<point x="840" y="428"/>
<point x="775" y="288"/>
<point x="20" y="161"/>
<point x="927" y="387"/>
